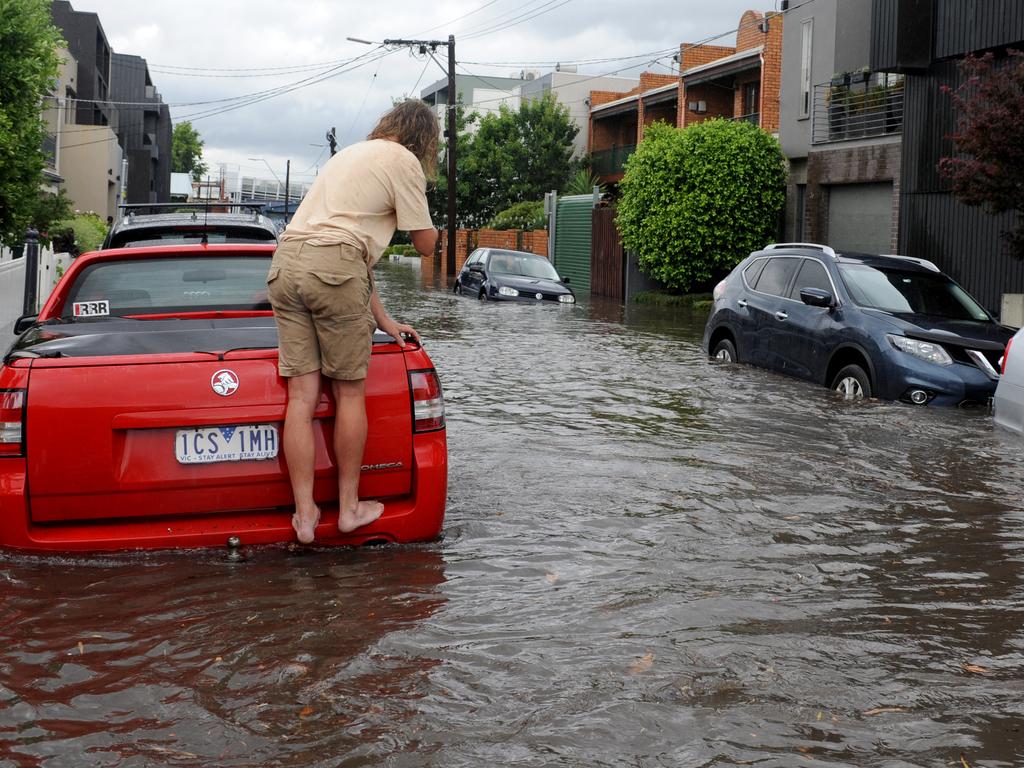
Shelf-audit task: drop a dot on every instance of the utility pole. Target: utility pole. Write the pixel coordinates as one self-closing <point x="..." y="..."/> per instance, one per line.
<point x="287" y="183"/>
<point x="332" y="139"/>
<point x="450" y="134"/>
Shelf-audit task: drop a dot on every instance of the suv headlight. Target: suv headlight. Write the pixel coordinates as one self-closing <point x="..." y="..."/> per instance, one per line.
<point x="506" y="291"/>
<point x="924" y="350"/>
<point x="567" y="298"/>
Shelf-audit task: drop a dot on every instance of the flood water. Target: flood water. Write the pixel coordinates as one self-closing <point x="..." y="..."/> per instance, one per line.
<point x="648" y="560"/>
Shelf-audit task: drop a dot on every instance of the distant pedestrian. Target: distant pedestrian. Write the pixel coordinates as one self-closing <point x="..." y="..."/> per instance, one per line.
<point x="326" y="304"/>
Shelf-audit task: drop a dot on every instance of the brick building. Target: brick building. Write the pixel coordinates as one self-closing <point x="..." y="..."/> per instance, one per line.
<point x="738" y="82"/>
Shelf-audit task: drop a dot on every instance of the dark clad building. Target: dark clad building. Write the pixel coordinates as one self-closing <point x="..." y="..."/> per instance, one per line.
<point x="923" y="40"/>
<point x="87" y="42"/>
<point x="144" y="130"/>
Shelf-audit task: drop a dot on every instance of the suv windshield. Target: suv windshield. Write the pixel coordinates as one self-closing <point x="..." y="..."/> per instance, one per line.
<point x="181" y="284"/>
<point x="918" y="293"/>
<point x="527" y="266"/>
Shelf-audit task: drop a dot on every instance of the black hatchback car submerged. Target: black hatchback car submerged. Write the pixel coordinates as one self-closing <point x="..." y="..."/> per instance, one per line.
<point x="891" y="327"/>
<point x="496" y="274"/>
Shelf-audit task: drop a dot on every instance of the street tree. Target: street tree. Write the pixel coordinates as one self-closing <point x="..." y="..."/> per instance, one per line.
<point x="519" y="155"/>
<point x="696" y="201"/>
<point x="28" y="68"/>
<point x="187" y="151"/>
<point x="989" y="168"/>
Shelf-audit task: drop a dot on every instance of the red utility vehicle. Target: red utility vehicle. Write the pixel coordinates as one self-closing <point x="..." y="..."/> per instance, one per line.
<point x="143" y="409"/>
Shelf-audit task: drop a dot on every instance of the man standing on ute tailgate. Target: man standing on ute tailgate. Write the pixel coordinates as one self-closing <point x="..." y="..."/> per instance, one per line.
<point x="325" y="302"/>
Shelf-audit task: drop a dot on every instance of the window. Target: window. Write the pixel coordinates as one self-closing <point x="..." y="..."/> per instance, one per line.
<point x="801" y="212"/>
<point x="151" y="286"/>
<point x="921" y="293"/>
<point x="751" y="273"/>
<point x="812" y="275"/>
<point x="751" y="98"/>
<point x="805" y="67"/>
<point x="776" y="275"/>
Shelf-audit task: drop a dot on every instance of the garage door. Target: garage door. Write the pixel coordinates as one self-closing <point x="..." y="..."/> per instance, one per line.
<point x="860" y="217"/>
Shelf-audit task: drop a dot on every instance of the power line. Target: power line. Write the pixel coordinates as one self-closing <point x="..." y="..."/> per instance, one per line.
<point x="517" y="20"/>
<point x="452" y="21"/>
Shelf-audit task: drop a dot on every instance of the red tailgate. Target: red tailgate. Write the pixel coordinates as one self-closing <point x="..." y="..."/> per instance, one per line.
<point x="101" y="436"/>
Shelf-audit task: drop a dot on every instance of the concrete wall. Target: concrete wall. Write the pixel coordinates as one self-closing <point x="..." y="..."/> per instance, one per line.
<point x="91" y="166"/>
<point x="795" y="131"/>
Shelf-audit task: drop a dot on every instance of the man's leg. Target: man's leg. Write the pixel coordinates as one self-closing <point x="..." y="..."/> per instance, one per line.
<point x="299" y="451"/>
<point x="349" y="442"/>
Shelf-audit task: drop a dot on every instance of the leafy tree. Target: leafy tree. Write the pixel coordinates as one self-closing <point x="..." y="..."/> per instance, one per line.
<point x="990" y="138"/>
<point x="187" y="151"/>
<point x="28" y="67"/>
<point x="48" y="211"/>
<point x="520" y="154"/>
<point x="695" y="201"/>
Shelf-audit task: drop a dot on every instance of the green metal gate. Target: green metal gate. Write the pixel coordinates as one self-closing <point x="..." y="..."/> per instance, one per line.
<point x="571" y="256"/>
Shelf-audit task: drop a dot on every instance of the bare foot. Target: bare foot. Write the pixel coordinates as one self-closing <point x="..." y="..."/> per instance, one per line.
<point x="364" y="514"/>
<point x="305" y="525"/>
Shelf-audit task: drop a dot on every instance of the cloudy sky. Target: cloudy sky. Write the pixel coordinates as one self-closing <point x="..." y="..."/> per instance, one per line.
<point x="266" y="80"/>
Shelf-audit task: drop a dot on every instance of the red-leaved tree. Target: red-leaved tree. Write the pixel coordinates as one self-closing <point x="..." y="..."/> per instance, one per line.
<point x="989" y="168"/>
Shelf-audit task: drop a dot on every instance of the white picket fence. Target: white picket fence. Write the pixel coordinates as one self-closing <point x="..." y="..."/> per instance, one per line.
<point x="12" y="286"/>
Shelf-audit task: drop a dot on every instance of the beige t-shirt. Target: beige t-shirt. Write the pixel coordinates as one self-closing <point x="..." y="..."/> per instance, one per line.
<point x="361" y="196"/>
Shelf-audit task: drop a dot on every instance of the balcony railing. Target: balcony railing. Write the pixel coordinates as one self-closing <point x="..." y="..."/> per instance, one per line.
<point x="609" y="162"/>
<point x="857" y="107"/>
<point x="753" y="117"/>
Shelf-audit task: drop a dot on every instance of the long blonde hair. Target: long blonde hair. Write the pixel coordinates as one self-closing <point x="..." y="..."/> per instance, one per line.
<point x="412" y="124"/>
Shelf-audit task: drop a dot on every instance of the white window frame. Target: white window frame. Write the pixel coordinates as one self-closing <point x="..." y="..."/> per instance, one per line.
<point x="806" y="47"/>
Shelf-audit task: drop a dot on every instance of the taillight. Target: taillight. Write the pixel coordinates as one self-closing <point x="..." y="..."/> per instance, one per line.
<point x="719" y="290"/>
<point x="1006" y="357"/>
<point x="427" y="401"/>
<point x="12" y="422"/>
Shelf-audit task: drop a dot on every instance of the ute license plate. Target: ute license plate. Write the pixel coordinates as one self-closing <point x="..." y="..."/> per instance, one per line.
<point x="247" y="442"/>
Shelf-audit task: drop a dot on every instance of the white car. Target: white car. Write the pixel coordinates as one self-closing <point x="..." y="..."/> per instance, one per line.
<point x="1008" y="401"/>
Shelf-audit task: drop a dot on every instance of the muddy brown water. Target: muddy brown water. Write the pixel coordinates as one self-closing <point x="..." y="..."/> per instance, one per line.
<point x="648" y="560"/>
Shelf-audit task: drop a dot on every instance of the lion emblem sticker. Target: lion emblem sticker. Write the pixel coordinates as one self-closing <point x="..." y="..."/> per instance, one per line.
<point x="224" y="382"/>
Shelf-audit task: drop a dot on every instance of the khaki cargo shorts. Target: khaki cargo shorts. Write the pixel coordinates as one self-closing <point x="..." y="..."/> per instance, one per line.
<point x="321" y="300"/>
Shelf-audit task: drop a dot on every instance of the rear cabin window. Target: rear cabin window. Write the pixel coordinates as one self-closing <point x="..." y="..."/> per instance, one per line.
<point x="751" y="273"/>
<point x="142" y="237"/>
<point x="156" y="286"/>
<point x="776" y="275"/>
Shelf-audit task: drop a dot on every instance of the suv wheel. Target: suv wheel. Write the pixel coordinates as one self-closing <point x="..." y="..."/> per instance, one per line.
<point x="725" y="351"/>
<point x="852" y="383"/>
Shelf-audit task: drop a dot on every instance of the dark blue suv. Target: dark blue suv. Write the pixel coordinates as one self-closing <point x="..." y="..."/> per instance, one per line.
<point x="892" y="327"/>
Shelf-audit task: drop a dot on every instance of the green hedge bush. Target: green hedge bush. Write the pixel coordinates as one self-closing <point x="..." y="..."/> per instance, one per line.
<point x="88" y="228"/>
<point x="403" y="250"/>
<point x="525" y="215"/>
<point x="696" y="201"/>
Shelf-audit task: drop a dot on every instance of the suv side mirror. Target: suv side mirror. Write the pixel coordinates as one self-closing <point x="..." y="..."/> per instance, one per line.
<point x="476" y="268"/>
<point x="23" y="323"/>
<point x="565" y="280"/>
<point x="815" y="297"/>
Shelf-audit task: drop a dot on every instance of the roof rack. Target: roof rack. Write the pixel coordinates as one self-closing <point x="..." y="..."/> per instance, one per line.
<point x="823" y="248"/>
<point x="130" y="209"/>
<point x="923" y="262"/>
